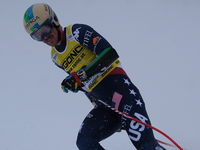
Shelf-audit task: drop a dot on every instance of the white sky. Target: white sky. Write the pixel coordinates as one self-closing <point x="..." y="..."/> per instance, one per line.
<point x="158" y="44"/>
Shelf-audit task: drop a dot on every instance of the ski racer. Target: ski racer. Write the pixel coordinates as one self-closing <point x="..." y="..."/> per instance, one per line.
<point x="93" y="66"/>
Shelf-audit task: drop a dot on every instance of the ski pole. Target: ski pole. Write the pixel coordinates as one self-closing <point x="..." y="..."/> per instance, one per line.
<point x="129" y="117"/>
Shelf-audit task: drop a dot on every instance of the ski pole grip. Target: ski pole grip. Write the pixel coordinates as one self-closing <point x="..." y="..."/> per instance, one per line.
<point x="76" y="78"/>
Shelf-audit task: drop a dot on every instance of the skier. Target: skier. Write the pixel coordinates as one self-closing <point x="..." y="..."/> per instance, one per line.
<point x="93" y="66"/>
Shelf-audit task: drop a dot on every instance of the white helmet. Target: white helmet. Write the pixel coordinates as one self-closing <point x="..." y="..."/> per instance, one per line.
<point x="38" y="15"/>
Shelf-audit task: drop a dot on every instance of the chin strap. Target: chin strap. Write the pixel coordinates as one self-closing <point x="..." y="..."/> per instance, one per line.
<point x="61" y="35"/>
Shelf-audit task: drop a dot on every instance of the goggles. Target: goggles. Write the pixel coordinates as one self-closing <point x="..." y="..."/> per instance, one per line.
<point x="45" y="29"/>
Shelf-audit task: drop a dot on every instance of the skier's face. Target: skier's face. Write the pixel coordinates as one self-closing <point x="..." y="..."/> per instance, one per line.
<point x="51" y="39"/>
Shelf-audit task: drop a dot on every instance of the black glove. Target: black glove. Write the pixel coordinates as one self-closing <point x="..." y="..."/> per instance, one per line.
<point x="72" y="82"/>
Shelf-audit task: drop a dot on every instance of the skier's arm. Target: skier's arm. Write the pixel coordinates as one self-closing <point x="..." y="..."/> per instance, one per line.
<point x="91" y="39"/>
<point x="88" y="37"/>
<point x="105" y="59"/>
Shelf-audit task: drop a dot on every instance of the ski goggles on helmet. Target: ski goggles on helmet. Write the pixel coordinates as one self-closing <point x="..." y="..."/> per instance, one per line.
<point x="45" y="29"/>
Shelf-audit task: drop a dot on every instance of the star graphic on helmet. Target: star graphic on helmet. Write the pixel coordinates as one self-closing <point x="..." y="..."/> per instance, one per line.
<point x="138" y="102"/>
<point x="132" y="92"/>
<point x="127" y="82"/>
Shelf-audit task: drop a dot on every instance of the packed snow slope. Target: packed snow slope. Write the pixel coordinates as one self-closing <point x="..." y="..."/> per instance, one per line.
<point x="159" y="46"/>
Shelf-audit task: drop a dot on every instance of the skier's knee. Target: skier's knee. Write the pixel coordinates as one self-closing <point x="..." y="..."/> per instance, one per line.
<point x="88" y="143"/>
<point x="82" y="143"/>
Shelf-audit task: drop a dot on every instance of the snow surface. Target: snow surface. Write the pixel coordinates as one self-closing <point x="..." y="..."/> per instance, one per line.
<point x="158" y="42"/>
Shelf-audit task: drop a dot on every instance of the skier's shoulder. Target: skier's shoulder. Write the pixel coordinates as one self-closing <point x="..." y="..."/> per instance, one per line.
<point x="79" y="31"/>
<point x="80" y="27"/>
